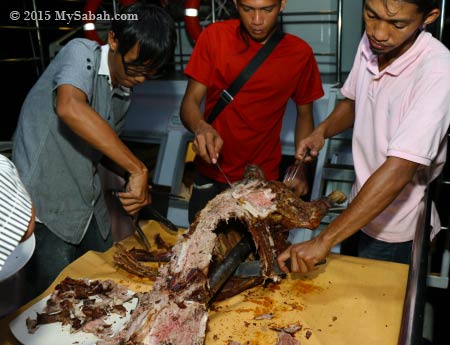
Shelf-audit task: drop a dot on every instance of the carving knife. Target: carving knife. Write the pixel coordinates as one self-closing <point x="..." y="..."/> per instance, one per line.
<point x="160" y="218"/>
<point x="141" y="233"/>
<point x="135" y="221"/>
<point x="224" y="175"/>
<point x="253" y="269"/>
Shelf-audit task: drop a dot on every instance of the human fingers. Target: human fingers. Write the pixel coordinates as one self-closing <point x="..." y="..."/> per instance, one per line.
<point x="294" y="262"/>
<point x="127" y="201"/>
<point x="195" y="147"/>
<point x="315" y="252"/>
<point x="201" y="149"/>
<point x="218" y="143"/>
<point x="136" y="193"/>
<point x="303" y="257"/>
<point x="303" y="154"/>
<point x="132" y="209"/>
<point x="315" y="144"/>
<point x="310" y="264"/>
<point x="131" y="204"/>
<point x="282" y="258"/>
<point x="213" y="152"/>
<point x="308" y="148"/>
<point x="205" y="136"/>
<point x="300" y="264"/>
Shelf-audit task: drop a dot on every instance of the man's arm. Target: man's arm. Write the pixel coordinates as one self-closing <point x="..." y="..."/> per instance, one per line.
<point x="378" y="192"/>
<point x="304" y="125"/>
<point x="340" y="119"/>
<point x="73" y="109"/>
<point x="207" y="142"/>
<point x="309" y="142"/>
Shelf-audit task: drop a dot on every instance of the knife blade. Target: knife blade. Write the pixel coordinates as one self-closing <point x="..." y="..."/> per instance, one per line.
<point x="249" y="269"/>
<point x="141" y="233"/>
<point x="154" y="214"/>
<point x="170" y="195"/>
<point x="134" y="220"/>
<point x="161" y="191"/>
<point x="160" y="218"/>
<point x="224" y="175"/>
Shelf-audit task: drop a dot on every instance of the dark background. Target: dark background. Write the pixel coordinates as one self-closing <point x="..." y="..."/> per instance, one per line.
<point x="20" y="55"/>
<point x="19" y="45"/>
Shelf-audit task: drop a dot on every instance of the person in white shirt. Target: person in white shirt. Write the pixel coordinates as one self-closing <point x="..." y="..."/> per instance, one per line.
<point x="16" y="210"/>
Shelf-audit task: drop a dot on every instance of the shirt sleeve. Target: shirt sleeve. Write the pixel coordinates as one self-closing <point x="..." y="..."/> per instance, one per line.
<point x="309" y="87"/>
<point x="15" y="209"/>
<point x="76" y="67"/>
<point x="200" y="63"/>
<point x="349" y="89"/>
<point x="424" y="125"/>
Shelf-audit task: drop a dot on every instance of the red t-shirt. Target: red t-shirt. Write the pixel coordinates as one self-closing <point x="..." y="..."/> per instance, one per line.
<point x="250" y="125"/>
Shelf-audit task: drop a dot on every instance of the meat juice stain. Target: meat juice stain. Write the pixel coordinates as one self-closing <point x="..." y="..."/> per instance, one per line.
<point x="264" y="301"/>
<point x="274" y="287"/>
<point x="266" y="306"/>
<point x="295" y="306"/>
<point x="301" y="287"/>
<point x="257" y="338"/>
<point x="259" y="311"/>
<point x="242" y="310"/>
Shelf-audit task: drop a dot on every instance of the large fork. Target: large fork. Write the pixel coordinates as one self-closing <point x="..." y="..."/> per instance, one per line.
<point x="292" y="170"/>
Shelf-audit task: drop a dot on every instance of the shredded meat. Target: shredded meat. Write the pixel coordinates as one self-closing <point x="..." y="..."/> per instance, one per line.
<point x="286" y="339"/>
<point x="83" y="305"/>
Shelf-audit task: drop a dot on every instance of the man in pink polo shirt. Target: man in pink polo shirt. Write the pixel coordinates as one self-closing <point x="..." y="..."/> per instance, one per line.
<point x="397" y="99"/>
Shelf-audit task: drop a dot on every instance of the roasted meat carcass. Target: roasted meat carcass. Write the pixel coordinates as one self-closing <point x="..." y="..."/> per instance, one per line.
<point x="267" y="209"/>
<point x="175" y="311"/>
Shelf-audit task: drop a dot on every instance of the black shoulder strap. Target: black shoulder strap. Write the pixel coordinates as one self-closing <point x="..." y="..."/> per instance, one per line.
<point x="227" y="96"/>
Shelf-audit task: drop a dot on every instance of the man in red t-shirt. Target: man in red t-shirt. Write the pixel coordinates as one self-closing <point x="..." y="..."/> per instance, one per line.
<point x="247" y="131"/>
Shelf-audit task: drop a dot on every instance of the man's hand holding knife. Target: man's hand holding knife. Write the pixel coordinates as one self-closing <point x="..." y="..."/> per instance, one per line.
<point x="207" y="143"/>
<point x="136" y="194"/>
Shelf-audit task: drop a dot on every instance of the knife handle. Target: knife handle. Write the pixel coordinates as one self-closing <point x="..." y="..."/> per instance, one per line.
<point x="321" y="262"/>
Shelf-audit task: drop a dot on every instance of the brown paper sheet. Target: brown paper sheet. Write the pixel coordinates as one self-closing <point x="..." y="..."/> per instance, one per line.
<point x="348" y="301"/>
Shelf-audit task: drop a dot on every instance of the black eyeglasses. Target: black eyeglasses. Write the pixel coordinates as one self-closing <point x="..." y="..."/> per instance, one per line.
<point x="136" y="70"/>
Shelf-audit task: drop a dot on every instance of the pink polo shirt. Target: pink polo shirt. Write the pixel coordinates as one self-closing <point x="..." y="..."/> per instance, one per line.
<point x="402" y="111"/>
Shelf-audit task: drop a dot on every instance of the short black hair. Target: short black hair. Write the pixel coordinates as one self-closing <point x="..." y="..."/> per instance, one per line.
<point x="424" y="6"/>
<point x="150" y="26"/>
